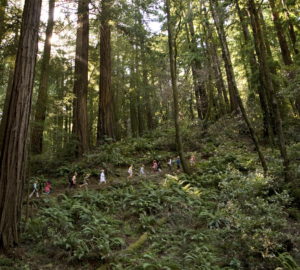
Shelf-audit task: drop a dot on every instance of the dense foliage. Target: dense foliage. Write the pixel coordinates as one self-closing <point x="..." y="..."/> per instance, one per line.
<point x="120" y="83"/>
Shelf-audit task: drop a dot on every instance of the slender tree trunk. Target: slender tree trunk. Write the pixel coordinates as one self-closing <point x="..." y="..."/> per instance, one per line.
<point x="138" y="92"/>
<point x="13" y="149"/>
<point x="285" y="51"/>
<point x="106" y="118"/>
<point x="42" y="100"/>
<point x="225" y="54"/>
<point x="80" y="121"/>
<point x="172" y="55"/>
<point x="134" y="120"/>
<point x="60" y="120"/>
<point x="197" y="96"/>
<point x="216" y="66"/>
<point x="292" y="32"/>
<point x="148" y="99"/>
<point x="235" y="91"/>
<point x="199" y="87"/>
<point x="265" y="72"/>
<point x="256" y="83"/>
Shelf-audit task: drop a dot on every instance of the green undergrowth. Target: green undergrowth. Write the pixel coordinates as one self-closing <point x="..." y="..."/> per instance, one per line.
<point x="225" y="215"/>
<point x="210" y="221"/>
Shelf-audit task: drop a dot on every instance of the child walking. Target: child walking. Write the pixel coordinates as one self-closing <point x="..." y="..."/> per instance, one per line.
<point x="178" y="162"/>
<point x="142" y="170"/>
<point x="192" y="160"/>
<point x="72" y="180"/>
<point x="154" y="165"/>
<point x="35" y="190"/>
<point x="130" y="172"/>
<point x="170" y="165"/>
<point x="48" y="187"/>
<point x="102" y="177"/>
<point x="85" y="181"/>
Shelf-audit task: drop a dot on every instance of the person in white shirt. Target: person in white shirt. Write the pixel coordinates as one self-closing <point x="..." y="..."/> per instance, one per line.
<point x="142" y="170"/>
<point x="102" y="177"/>
<point x="130" y="172"/>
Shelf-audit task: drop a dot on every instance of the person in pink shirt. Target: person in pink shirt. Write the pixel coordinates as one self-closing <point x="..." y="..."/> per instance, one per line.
<point x="48" y="187"/>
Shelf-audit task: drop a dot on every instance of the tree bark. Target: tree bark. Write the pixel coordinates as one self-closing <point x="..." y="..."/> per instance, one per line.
<point x="285" y="51"/>
<point x="42" y="100"/>
<point x="265" y="72"/>
<point x="255" y="83"/>
<point x="13" y="149"/>
<point x="216" y="66"/>
<point x="172" y="56"/>
<point x="236" y="94"/>
<point x="219" y="23"/>
<point x="292" y="32"/>
<point x="6" y="104"/>
<point x="106" y="116"/>
<point x="147" y="94"/>
<point x="80" y="121"/>
<point x="199" y="87"/>
<point x="134" y="120"/>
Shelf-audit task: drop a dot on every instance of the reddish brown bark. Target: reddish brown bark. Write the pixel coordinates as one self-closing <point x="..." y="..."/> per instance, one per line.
<point x="13" y="149"/>
<point x="41" y="104"/>
<point x="106" y="117"/>
<point x="80" y="122"/>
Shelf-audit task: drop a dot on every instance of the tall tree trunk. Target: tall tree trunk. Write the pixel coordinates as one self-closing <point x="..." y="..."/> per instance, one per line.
<point x="6" y="104"/>
<point x="60" y="120"/>
<point x="285" y="51"/>
<point x="219" y="23"/>
<point x="148" y="99"/>
<point x="199" y="87"/>
<point x="216" y="65"/>
<point x="138" y="92"/>
<point x="42" y="100"/>
<point x="235" y="91"/>
<point x="292" y="32"/>
<point x="172" y="56"/>
<point x="13" y="149"/>
<point x="80" y="121"/>
<point x="256" y="83"/>
<point x="265" y="72"/>
<point x="134" y="120"/>
<point x="106" y="116"/>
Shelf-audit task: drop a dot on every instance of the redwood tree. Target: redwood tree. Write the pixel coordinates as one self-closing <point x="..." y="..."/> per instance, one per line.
<point x="172" y="56"/>
<point x="41" y="104"/>
<point x="106" y="118"/>
<point x="80" y="122"/>
<point x="13" y="149"/>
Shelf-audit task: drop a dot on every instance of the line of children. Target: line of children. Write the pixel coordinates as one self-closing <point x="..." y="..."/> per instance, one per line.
<point x="156" y="167"/>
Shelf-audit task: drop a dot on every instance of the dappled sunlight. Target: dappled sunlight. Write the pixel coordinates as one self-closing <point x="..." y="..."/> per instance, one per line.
<point x="170" y="180"/>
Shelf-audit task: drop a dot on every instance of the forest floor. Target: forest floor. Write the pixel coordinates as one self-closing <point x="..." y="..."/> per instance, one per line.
<point x="225" y="215"/>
